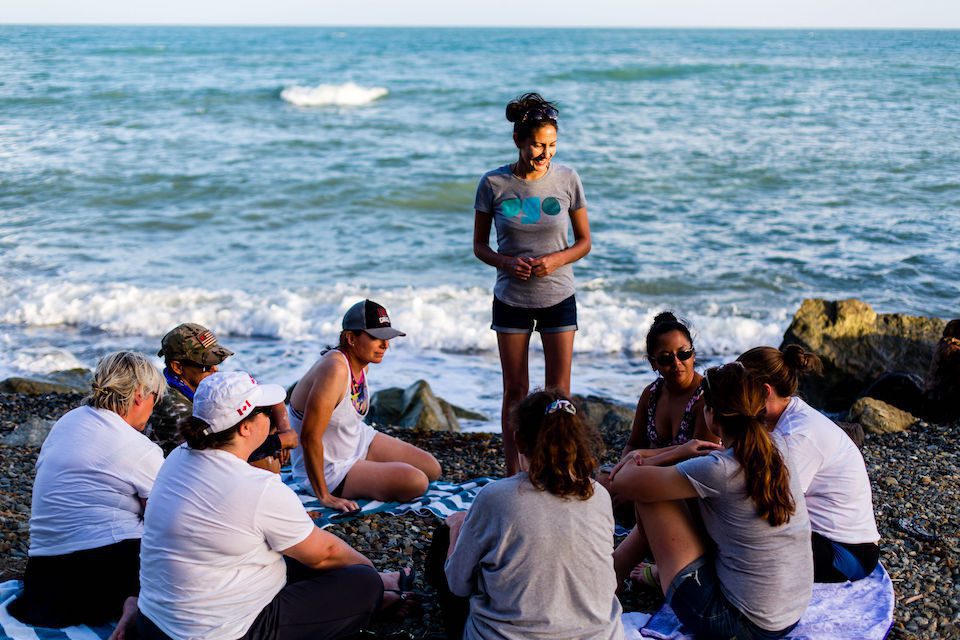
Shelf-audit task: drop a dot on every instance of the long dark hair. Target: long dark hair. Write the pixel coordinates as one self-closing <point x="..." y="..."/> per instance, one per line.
<point x="529" y="112"/>
<point x="738" y="404"/>
<point x="561" y="448"/>
<point x="781" y="368"/>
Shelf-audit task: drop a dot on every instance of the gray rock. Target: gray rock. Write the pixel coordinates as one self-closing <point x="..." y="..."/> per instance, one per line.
<point x="857" y="346"/>
<point x="604" y="414"/>
<point x="423" y="411"/>
<point x="68" y="381"/>
<point x="30" y="433"/>
<point x="877" y="416"/>
<point x="467" y="414"/>
<point x="386" y="406"/>
<point x="390" y="405"/>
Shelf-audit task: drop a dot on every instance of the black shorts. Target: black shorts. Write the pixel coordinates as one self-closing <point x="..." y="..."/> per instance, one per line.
<point x="559" y="318"/>
<point x="83" y="587"/>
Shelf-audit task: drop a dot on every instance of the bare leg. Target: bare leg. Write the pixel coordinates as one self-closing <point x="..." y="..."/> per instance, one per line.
<point x="385" y="481"/>
<point x="672" y="535"/>
<point x="558" y="359"/>
<point x="514" y="361"/>
<point x="632" y="550"/>
<point x="386" y="448"/>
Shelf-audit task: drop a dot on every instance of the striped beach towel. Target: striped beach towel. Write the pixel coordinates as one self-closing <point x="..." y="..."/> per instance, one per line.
<point x="13" y="629"/>
<point x="441" y="499"/>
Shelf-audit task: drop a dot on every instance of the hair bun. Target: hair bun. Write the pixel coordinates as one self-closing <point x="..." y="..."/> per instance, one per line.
<point x="800" y="360"/>
<point x="665" y="316"/>
<point x="515" y="111"/>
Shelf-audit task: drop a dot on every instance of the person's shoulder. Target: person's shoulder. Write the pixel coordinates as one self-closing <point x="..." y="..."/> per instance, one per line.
<point x="800" y="418"/>
<point x="563" y="170"/>
<point x="498" y="173"/>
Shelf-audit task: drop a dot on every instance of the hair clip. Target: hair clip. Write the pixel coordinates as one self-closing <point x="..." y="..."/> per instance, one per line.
<point x="560" y="405"/>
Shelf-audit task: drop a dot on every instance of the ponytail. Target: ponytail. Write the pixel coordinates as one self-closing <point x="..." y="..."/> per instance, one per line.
<point x="737" y="401"/>
<point x="765" y="473"/>
<point x="561" y="449"/>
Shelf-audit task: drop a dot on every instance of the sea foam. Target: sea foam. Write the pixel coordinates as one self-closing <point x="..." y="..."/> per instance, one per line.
<point x="340" y="95"/>
<point x="441" y="318"/>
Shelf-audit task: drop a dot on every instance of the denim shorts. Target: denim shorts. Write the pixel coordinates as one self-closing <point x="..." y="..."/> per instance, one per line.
<point x="696" y="598"/>
<point x="559" y="318"/>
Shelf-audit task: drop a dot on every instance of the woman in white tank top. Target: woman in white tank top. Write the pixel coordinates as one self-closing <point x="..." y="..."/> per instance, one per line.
<point x="340" y="457"/>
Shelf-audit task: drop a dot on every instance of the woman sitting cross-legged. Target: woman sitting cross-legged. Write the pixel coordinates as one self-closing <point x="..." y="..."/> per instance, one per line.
<point x="753" y="576"/>
<point x="95" y="472"/>
<point x="534" y="552"/>
<point x="340" y="457"/>
<point x="229" y="551"/>
<point x="832" y="473"/>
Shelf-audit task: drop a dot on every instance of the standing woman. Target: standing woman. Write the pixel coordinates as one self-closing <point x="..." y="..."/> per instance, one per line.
<point x="532" y="202"/>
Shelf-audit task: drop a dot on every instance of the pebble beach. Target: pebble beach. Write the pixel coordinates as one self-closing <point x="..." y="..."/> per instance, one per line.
<point x="914" y="475"/>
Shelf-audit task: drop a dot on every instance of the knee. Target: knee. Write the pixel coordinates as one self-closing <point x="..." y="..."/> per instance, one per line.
<point x="364" y="585"/>
<point x="514" y="393"/>
<point x="413" y="485"/>
<point x="432" y="469"/>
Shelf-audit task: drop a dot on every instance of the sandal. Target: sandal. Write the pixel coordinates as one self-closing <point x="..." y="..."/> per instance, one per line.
<point x="646" y="574"/>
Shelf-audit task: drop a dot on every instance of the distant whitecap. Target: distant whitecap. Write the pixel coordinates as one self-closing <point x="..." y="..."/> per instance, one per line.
<point x="341" y="95"/>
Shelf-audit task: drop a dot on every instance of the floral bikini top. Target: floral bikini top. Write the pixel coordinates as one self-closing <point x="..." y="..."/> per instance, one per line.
<point x="687" y="422"/>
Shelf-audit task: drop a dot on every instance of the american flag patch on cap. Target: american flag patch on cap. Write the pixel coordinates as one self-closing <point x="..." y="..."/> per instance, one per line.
<point x="207" y="339"/>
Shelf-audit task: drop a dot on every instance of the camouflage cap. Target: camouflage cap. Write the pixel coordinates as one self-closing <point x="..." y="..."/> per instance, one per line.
<point x="195" y="343"/>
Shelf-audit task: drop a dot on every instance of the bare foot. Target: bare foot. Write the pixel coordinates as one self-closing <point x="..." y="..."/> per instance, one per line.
<point x="128" y="619"/>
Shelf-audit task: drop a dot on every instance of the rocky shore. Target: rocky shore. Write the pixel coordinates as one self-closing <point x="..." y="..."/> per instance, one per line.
<point x="915" y="477"/>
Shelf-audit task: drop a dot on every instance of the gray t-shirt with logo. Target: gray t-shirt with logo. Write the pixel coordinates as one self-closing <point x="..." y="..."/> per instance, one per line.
<point x="767" y="572"/>
<point x="532" y="218"/>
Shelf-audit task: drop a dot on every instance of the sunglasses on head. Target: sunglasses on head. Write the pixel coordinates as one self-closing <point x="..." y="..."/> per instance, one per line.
<point x="540" y="113"/>
<point x="666" y="359"/>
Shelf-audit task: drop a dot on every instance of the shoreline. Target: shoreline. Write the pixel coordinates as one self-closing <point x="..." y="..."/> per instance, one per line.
<point x="914" y="474"/>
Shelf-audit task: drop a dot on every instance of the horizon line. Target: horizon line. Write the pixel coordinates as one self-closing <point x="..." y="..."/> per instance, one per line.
<point x="478" y="27"/>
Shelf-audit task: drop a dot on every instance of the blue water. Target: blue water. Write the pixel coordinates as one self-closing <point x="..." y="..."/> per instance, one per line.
<point x="150" y="176"/>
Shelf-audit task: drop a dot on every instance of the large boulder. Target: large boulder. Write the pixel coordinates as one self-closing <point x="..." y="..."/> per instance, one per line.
<point x="415" y="407"/>
<point x="857" y="346"/>
<point x="876" y="416"/>
<point x="68" y="381"/>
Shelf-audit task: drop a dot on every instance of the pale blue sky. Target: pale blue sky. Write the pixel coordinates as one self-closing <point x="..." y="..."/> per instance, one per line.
<point x="939" y="14"/>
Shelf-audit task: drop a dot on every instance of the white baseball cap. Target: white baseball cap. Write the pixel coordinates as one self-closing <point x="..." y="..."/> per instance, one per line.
<point x="224" y="399"/>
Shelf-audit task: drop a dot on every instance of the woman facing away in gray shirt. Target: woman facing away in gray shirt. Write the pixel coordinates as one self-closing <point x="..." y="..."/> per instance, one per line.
<point x="533" y="203"/>
<point x="534" y="553"/>
<point x="753" y="577"/>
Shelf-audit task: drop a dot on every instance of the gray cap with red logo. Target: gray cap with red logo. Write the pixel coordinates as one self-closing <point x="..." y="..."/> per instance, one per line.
<point x="372" y="318"/>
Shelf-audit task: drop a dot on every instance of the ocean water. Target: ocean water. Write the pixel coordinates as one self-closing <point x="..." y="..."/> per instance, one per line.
<point x="261" y="180"/>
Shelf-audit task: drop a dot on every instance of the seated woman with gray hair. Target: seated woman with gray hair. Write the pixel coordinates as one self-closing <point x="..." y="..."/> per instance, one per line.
<point x="94" y="475"/>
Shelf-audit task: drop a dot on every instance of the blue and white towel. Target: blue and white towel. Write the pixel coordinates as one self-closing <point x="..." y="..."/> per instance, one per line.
<point x="861" y="610"/>
<point x="13" y="629"/>
<point x="441" y="499"/>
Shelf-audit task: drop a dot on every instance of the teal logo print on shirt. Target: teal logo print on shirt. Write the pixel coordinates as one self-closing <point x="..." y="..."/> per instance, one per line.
<point x="530" y="208"/>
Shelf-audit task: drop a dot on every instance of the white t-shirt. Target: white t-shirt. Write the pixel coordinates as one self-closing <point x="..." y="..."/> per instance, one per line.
<point x="92" y="471"/>
<point x="832" y="475"/>
<point x="210" y="557"/>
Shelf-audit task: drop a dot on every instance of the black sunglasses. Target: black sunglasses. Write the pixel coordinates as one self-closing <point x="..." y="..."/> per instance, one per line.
<point x="666" y="359"/>
<point x="196" y="365"/>
<point x="707" y="394"/>
<point x="540" y="113"/>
